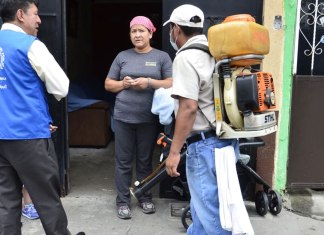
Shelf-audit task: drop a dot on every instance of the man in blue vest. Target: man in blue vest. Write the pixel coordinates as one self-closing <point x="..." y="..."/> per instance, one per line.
<point x="27" y="154"/>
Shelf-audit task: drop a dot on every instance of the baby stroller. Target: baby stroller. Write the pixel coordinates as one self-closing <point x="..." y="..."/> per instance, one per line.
<point x="265" y="200"/>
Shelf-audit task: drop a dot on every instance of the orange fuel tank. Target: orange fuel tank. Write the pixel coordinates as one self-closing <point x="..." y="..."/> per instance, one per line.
<point x="238" y="35"/>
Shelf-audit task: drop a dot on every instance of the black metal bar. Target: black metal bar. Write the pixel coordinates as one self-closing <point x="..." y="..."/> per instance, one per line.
<point x="161" y="175"/>
<point x="137" y="192"/>
<point x="255" y="175"/>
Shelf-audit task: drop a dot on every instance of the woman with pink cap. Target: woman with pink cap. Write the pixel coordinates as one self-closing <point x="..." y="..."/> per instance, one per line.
<point x="134" y="75"/>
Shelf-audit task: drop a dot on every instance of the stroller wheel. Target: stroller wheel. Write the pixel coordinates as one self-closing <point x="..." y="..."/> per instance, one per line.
<point x="275" y="202"/>
<point x="261" y="203"/>
<point x="186" y="218"/>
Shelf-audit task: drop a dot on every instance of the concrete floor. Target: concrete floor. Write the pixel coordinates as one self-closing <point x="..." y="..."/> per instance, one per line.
<point x="90" y="205"/>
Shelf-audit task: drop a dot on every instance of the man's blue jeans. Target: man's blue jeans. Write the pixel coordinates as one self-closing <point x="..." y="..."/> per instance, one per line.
<point x="202" y="181"/>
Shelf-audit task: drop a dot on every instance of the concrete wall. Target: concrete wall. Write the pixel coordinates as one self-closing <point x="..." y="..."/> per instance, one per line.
<point x="274" y="60"/>
<point x="280" y="62"/>
<point x="272" y="63"/>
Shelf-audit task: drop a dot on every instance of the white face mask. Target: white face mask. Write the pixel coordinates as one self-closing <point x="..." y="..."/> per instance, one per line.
<point x="173" y="43"/>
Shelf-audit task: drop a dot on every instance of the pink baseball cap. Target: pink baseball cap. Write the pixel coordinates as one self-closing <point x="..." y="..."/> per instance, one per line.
<point x="142" y="20"/>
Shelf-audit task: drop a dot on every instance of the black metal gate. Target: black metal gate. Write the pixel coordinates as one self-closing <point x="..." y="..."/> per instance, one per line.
<point x="52" y="33"/>
<point x="306" y="148"/>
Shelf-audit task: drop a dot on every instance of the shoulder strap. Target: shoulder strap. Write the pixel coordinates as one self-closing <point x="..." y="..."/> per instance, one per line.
<point x="204" y="48"/>
<point x="197" y="46"/>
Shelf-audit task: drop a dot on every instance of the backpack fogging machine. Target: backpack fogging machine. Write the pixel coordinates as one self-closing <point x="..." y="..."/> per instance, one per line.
<point x="244" y="98"/>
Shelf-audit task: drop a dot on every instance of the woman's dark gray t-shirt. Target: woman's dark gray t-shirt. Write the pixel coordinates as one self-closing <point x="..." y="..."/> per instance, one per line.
<point x="134" y="106"/>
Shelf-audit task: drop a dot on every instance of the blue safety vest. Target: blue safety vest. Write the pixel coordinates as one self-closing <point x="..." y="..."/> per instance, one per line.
<point x="24" y="110"/>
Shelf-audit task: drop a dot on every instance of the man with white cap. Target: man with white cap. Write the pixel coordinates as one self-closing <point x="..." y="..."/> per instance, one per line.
<point x="195" y="119"/>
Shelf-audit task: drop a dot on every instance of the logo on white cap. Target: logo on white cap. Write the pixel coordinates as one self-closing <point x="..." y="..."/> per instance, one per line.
<point x="187" y="15"/>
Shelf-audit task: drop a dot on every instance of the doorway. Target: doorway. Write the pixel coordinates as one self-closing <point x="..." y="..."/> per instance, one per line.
<point x="96" y="31"/>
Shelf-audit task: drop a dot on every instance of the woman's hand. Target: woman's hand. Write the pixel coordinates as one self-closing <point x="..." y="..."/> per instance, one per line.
<point x="141" y="83"/>
<point x="127" y="82"/>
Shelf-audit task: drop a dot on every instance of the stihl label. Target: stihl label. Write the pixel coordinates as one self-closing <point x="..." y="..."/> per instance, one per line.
<point x="269" y="118"/>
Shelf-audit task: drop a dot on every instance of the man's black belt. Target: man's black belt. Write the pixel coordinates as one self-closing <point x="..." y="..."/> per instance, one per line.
<point x="201" y="136"/>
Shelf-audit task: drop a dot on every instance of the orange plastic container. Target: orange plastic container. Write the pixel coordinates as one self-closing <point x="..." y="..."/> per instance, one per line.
<point x="238" y="35"/>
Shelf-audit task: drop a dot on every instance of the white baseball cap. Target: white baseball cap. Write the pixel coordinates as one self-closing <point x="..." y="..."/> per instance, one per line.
<point x="187" y="15"/>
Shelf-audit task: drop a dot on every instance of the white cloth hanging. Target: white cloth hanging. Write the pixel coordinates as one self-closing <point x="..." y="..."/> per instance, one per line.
<point x="232" y="210"/>
<point x="163" y="105"/>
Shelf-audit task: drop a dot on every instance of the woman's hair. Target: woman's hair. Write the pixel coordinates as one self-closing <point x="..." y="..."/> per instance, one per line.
<point x="9" y="8"/>
<point x="189" y="31"/>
